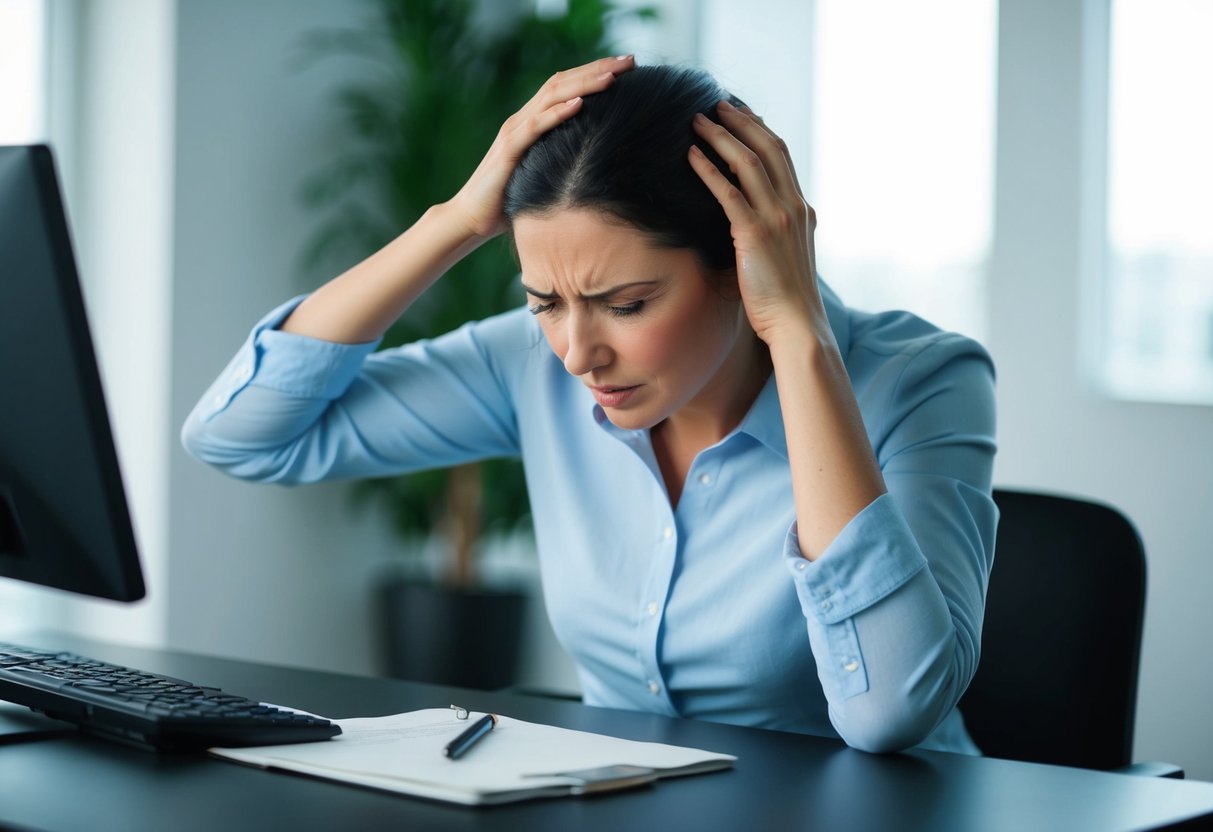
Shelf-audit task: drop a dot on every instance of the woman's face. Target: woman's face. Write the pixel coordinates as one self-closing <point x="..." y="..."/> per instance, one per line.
<point x="642" y="326"/>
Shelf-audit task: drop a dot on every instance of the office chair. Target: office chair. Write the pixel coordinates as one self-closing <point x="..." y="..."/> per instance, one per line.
<point x="1057" y="680"/>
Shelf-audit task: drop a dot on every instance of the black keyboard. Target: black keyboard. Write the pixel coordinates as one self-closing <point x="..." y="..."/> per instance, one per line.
<point x="144" y="708"/>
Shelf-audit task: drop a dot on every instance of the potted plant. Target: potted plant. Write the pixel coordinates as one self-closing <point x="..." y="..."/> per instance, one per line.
<point x="444" y="79"/>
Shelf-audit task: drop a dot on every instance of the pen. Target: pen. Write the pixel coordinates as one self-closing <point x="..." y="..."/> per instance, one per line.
<point x="459" y="746"/>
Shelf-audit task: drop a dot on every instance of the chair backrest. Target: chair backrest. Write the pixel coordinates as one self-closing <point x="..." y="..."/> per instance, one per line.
<point x="1057" y="680"/>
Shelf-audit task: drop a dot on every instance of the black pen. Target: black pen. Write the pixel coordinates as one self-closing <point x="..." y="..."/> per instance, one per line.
<point x="459" y="746"/>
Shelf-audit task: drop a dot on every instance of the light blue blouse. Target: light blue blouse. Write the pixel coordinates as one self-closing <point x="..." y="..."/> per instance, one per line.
<point x="706" y="611"/>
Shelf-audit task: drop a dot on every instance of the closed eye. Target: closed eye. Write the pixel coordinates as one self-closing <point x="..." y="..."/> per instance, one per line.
<point x="629" y="309"/>
<point x="540" y="308"/>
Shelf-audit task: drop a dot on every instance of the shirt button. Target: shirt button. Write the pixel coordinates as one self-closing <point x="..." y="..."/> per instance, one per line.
<point x="654" y="688"/>
<point x="850" y="666"/>
<point x="652" y="608"/>
<point x="802" y="565"/>
<point x="668" y="532"/>
<point x="705" y="479"/>
<point x="826" y="606"/>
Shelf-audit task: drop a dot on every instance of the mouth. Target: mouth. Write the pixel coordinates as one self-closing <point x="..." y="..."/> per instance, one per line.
<point x="611" y="395"/>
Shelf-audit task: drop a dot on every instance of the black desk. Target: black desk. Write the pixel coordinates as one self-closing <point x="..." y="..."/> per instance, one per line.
<point x="781" y="781"/>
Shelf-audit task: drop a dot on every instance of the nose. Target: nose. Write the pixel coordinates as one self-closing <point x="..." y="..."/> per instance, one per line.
<point x="585" y="350"/>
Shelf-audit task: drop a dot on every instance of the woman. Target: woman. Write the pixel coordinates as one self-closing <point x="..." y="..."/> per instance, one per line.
<point x="751" y="504"/>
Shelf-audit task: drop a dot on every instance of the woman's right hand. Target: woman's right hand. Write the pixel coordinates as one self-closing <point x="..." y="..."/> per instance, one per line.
<point x="479" y="201"/>
<point x="360" y="304"/>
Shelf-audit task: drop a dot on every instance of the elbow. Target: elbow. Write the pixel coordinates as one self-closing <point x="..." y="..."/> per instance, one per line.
<point x="886" y="736"/>
<point x="193" y="439"/>
<point x="202" y="446"/>
<point x="886" y="724"/>
<point x="252" y="466"/>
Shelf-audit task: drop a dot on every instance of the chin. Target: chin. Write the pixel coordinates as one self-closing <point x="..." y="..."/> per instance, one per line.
<point x="630" y="420"/>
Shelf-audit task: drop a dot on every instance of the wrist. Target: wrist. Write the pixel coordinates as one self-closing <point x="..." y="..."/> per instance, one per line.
<point x="461" y="211"/>
<point x="800" y="335"/>
<point x="453" y="224"/>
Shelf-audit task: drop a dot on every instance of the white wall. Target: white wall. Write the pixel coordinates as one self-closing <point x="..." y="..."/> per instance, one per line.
<point x="256" y="571"/>
<point x="1055" y="432"/>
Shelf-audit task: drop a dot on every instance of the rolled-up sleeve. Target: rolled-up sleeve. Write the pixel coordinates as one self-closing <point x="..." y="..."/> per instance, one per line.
<point x="894" y="605"/>
<point x="293" y="409"/>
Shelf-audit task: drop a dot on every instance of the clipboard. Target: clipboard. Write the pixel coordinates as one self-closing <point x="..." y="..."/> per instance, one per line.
<point x="519" y="760"/>
<point x="611" y="778"/>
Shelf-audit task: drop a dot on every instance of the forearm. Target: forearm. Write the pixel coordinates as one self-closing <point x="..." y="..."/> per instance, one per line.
<point x="894" y="601"/>
<point x="895" y="630"/>
<point x="916" y="660"/>
<point x="360" y="304"/>
<point x="293" y="409"/>
<point x="834" y="471"/>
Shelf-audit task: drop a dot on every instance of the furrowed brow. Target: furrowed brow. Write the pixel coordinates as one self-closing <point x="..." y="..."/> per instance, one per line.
<point x="614" y="290"/>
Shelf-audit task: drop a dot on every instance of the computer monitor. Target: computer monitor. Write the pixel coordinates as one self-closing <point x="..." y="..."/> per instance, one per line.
<point x="64" y="520"/>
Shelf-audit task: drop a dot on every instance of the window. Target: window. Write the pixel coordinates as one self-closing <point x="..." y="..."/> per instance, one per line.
<point x="1158" y="259"/>
<point x="903" y="154"/>
<point x="888" y="109"/>
<point x="22" y="71"/>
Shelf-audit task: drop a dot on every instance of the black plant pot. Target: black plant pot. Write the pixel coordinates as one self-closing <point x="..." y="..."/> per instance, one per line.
<point x="467" y="637"/>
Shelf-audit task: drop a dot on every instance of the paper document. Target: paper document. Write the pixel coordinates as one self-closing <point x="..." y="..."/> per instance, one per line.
<point x="516" y="761"/>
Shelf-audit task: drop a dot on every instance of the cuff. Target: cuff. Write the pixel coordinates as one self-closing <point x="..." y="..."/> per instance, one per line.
<point x="872" y="557"/>
<point x="295" y="365"/>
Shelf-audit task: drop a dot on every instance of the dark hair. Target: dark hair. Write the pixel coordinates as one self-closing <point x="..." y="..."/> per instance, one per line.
<point x="625" y="153"/>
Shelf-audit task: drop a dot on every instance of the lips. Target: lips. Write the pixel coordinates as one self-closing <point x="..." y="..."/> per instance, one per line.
<point x="612" y="395"/>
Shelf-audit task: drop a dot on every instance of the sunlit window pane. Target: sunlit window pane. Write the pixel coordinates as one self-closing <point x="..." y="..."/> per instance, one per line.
<point x="1159" y="265"/>
<point x="22" y="92"/>
<point x="902" y="154"/>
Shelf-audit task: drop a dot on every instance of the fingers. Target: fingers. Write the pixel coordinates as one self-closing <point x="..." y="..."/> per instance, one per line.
<point x="586" y="79"/>
<point x="779" y="144"/>
<point x="750" y="168"/>
<point x="762" y="163"/>
<point x="558" y="100"/>
<point x="770" y="148"/>
<point x="736" y="207"/>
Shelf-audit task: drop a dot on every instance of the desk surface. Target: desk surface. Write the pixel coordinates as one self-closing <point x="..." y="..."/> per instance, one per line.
<point x="781" y="781"/>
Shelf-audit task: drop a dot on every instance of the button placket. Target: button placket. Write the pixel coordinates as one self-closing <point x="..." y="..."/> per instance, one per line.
<point x="651" y="604"/>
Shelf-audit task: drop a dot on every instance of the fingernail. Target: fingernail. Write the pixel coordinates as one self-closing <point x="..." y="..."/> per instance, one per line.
<point x="624" y="58"/>
<point x="727" y="106"/>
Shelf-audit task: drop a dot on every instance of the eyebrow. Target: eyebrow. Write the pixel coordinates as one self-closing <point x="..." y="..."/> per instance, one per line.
<point x="593" y="296"/>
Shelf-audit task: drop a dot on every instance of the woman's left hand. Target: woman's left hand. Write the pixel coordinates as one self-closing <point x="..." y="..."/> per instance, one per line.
<point x="771" y="223"/>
